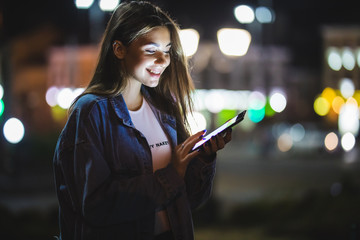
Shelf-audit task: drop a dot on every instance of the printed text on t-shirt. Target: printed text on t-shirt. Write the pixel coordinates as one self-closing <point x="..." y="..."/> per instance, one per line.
<point x="159" y="144"/>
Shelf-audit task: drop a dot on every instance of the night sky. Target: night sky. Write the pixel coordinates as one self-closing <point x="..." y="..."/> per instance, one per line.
<point x="297" y="25"/>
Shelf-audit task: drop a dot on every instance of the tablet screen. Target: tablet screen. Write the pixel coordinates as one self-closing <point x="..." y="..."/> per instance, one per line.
<point x="216" y="131"/>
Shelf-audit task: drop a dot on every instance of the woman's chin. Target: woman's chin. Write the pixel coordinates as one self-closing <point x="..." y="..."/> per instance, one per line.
<point x="152" y="84"/>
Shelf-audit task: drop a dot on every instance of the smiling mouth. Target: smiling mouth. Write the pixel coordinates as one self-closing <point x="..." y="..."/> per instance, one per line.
<point x="154" y="72"/>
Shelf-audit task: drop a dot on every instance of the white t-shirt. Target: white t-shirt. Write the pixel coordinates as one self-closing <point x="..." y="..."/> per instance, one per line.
<point x="145" y="121"/>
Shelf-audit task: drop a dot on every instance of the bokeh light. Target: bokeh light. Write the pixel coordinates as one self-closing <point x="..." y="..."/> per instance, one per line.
<point x="349" y="118"/>
<point x="51" y="96"/>
<point x="278" y="129"/>
<point x="257" y="100"/>
<point x="197" y="122"/>
<point x="348" y="59"/>
<point x="348" y="141"/>
<point x="65" y="98"/>
<point x="58" y="113"/>
<point x="256" y="109"/>
<point x="285" y="142"/>
<point x="321" y="106"/>
<point x="334" y="59"/>
<point x="347" y="87"/>
<point x="337" y="103"/>
<point x="233" y="42"/>
<point x="62" y="97"/>
<point x="84" y="4"/>
<point x="356" y="96"/>
<point x="108" y="5"/>
<point x="269" y="112"/>
<point x="264" y="15"/>
<point x="225" y="115"/>
<point x="329" y="94"/>
<point x="256" y="115"/>
<point x="77" y="92"/>
<point x="1" y="91"/>
<point x="331" y="141"/>
<point x="297" y="132"/>
<point x="214" y="101"/>
<point x="13" y="130"/>
<point x="2" y="107"/>
<point x="278" y="102"/>
<point x="189" y="40"/>
<point x="244" y="14"/>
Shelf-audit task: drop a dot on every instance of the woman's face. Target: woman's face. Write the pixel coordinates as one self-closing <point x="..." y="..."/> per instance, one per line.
<point x="148" y="56"/>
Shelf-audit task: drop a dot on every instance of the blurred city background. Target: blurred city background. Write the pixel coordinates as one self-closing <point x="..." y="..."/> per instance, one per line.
<point x="292" y="168"/>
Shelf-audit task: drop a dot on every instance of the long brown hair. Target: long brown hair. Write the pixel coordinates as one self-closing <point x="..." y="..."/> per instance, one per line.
<point x="173" y="93"/>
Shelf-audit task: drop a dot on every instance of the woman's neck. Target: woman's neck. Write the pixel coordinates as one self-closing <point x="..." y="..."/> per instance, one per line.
<point x="132" y="96"/>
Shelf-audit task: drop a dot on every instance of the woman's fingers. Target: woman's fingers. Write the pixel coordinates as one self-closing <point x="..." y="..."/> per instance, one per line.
<point x="217" y="142"/>
<point x="182" y="155"/>
<point x="189" y="143"/>
<point x="227" y="137"/>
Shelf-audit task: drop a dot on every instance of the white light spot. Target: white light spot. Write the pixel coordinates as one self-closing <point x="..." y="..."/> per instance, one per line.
<point x="348" y="141"/>
<point x="51" y="96"/>
<point x="189" y="40"/>
<point x="348" y="59"/>
<point x="65" y="98"/>
<point x="233" y="42"/>
<point x="83" y="4"/>
<point x="77" y="92"/>
<point x="349" y="119"/>
<point x="108" y="5"/>
<point x="13" y="130"/>
<point x="278" y="102"/>
<point x="244" y="14"/>
<point x="347" y="87"/>
<point x="334" y="59"/>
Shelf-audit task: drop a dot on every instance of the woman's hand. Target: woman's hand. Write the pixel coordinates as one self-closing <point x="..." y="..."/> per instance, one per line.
<point x="216" y="143"/>
<point x="182" y="154"/>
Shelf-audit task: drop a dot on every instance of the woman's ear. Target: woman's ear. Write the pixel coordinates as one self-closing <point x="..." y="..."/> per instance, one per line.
<point x="119" y="49"/>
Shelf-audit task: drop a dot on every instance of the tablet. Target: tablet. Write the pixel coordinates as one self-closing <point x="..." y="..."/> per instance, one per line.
<point x="228" y="124"/>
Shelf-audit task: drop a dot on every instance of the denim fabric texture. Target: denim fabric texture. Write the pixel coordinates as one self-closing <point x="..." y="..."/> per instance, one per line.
<point x="105" y="182"/>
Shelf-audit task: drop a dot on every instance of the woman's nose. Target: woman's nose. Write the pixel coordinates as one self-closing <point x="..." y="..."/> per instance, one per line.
<point x="162" y="58"/>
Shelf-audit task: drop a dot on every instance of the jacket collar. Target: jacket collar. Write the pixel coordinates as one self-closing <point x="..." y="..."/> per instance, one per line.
<point x="122" y="112"/>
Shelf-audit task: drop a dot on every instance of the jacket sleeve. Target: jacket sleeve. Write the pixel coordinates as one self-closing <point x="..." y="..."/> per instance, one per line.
<point x="199" y="180"/>
<point x="102" y="197"/>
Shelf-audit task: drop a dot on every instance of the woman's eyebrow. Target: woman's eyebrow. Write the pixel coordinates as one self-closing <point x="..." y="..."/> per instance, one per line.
<point x="157" y="44"/>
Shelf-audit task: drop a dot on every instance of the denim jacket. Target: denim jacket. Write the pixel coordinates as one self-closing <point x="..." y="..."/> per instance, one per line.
<point x="104" y="177"/>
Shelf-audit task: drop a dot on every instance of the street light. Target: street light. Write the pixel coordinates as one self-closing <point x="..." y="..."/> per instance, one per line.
<point x="244" y="14"/>
<point x="189" y="40"/>
<point x="108" y="5"/>
<point x="233" y="41"/>
<point x="83" y="4"/>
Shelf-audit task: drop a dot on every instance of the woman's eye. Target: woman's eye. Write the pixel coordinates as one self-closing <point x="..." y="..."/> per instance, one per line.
<point x="150" y="51"/>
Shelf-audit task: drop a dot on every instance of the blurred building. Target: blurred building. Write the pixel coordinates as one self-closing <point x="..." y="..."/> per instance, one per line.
<point x="341" y="46"/>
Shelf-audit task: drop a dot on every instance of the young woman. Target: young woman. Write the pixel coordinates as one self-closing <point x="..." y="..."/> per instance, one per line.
<point x="123" y="163"/>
